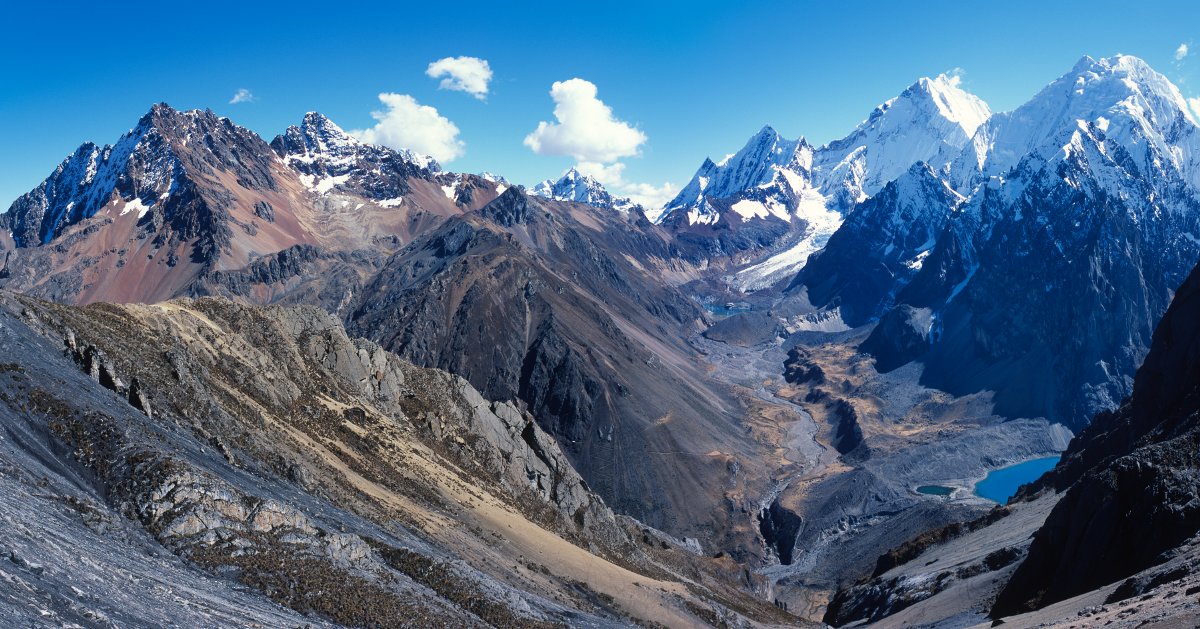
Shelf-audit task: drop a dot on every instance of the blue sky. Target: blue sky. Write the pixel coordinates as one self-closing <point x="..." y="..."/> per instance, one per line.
<point x="696" y="79"/>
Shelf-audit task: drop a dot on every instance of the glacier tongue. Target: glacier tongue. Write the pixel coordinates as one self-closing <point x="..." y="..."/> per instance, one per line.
<point x="821" y="223"/>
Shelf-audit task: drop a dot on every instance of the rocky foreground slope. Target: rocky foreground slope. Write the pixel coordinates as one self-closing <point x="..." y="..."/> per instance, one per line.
<point x="205" y="463"/>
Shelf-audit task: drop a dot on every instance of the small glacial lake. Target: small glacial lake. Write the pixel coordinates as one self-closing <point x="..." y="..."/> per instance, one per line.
<point x="935" y="490"/>
<point x="1001" y="484"/>
<point x="728" y="309"/>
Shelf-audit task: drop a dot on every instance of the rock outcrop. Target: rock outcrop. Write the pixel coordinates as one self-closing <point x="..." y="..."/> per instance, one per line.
<point x="902" y="335"/>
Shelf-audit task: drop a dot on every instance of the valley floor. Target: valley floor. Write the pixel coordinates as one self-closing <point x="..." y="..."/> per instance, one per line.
<point x="852" y="446"/>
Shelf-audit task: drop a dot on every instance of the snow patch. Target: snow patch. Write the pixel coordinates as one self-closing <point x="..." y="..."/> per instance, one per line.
<point x="135" y="205"/>
<point x="917" y="262"/>
<point x="697" y="216"/>
<point x="327" y="184"/>
<point x="760" y="209"/>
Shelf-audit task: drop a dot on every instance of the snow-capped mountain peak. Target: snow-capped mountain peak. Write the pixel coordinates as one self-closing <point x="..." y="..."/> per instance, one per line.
<point x="1086" y="194"/>
<point x="954" y="103"/>
<point x="322" y="135"/>
<point x="155" y="174"/>
<point x="760" y="162"/>
<point x="930" y="121"/>
<point x="1123" y="96"/>
<point x="319" y="139"/>
<point x="330" y="160"/>
<point x="580" y="188"/>
<point x="812" y="189"/>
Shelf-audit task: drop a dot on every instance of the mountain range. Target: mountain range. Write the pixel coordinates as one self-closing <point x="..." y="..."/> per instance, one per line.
<point x="752" y="379"/>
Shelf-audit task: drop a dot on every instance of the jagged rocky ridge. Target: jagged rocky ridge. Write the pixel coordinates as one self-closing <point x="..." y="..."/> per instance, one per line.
<point x="187" y="194"/>
<point x="568" y="323"/>
<point x="328" y="158"/>
<point x="147" y="172"/>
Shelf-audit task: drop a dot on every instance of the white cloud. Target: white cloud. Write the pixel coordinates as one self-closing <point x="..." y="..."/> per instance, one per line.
<point x="588" y="131"/>
<point x="1194" y="103"/>
<point x="650" y="196"/>
<point x="607" y="174"/>
<point x="243" y="95"/>
<point x="586" y="128"/>
<point x="463" y="74"/>
<point x="1181" y="52"/>
<point x="407" y="124"/>
<point x="955" y="76"/>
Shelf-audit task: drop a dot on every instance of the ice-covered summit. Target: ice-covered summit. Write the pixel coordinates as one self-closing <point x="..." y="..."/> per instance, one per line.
<point x="930" y="121"/>
<point x="811" y="189"/>
<point x="318" y="138"/>
<point x="766" y="157"/>
<point x="580" y="188"/>
<point x="1121" y="97"/>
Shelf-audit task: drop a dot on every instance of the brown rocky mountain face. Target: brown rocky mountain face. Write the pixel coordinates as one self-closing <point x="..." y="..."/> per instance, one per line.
<point x="187" y="194"/>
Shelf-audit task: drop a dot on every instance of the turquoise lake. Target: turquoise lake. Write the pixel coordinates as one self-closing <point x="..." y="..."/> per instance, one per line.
<point x="1001" y="484"/>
